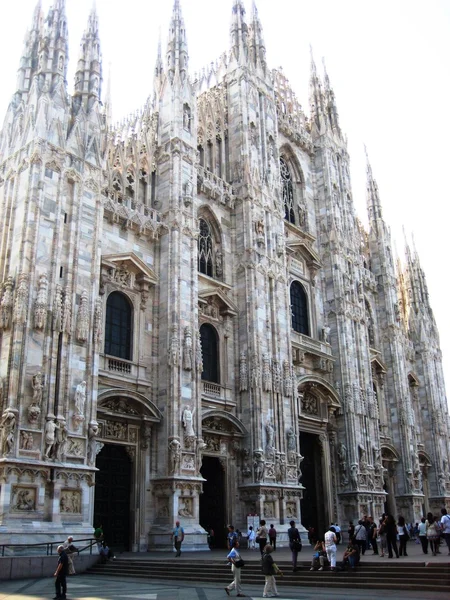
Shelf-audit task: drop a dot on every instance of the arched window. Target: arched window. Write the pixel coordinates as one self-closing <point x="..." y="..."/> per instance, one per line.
<point x="210" y="353"/>
<point x="299" y="308"/>
<point x="118" y="327"/>
<point x="205" y="249"/>
<point x="288" y="192"/>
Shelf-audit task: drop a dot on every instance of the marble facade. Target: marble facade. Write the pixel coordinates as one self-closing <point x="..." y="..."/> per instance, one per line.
<point x="214" y="209"/>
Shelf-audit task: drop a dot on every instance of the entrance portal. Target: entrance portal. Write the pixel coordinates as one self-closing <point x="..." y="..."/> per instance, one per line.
<point x="312" y="503"/>
<point x="112" y="496"/>
<point x="212" y="501"/>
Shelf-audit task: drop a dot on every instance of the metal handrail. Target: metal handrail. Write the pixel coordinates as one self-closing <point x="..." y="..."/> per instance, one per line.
<point x="49" y="546"/>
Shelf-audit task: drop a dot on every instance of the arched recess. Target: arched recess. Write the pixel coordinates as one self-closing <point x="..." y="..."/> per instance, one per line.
<point x="299" y="308"/>
<point x="223" y="422"/>
<point x="125" y="421"/>
<point x="135" y="403"/>
<point x="292" y="175"/>
<point x="318" y="405"/>
<point x="323" y="389"/>
<point x="215" y="252"/>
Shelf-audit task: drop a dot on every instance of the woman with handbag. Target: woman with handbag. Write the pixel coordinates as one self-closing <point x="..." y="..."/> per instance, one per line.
<point x="261" y="536"/>
<point x="403" y="535"/>
<point x="270" y="569"/>
<point x="236" y="564"/>
<point x="433" y="534"/>
<point x="295" y="543"/>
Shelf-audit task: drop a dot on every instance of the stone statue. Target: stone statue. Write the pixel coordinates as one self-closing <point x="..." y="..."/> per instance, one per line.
<point x="267" y="373"/>
<point x="6" y="304"/>
<point x="199" y="356"/>
<point x="342" y="455"/>
<point x="174" y="456"/>
<point x="82" y="329"/>
<point x="290" y="434"/>
<point x="92" y="442"/>
<point x="80" y="398"/>
<point x="8" y="426"/>
<point x="243" y="372"/>
<point x="187" y="350"/>
<point x="326" y="333"/>
<point x="354" y="476"/>
<point x="201" y="445"/>
<point x="219" y="265"/>
<point x="258" y="465"/>
<point x="187" y="420"/>
<point x="61" y="439"/>
<point x="49" y="437"/>
<point x="287" y="379"/>
<point x="270" y="434"/>
<point x="40" y="306"/>
<point x="57" y="309"/>
<point x="98" y="321"/>
<point x="21" y="300"/>
<point x="36" y="384"/>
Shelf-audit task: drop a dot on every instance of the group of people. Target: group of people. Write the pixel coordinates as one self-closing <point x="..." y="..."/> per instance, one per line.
<point x="269" y="567"/>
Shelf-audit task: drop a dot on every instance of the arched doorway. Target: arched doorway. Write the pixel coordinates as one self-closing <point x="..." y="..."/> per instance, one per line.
<point x="212" y="501"/>
<point x="112" y="495"/>
<point x="312" y="503"/>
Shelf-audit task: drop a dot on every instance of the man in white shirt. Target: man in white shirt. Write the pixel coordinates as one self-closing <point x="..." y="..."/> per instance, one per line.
<point x="445" y="524"/>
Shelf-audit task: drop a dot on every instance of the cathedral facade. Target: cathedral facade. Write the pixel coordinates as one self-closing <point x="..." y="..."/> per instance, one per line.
<point x="194" y="324"/>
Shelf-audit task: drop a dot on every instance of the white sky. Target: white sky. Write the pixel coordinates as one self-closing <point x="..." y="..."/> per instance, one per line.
<point x="388" y="61"/>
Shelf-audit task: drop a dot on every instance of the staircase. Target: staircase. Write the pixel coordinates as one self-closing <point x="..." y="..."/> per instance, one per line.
<point x="392" y="575"/>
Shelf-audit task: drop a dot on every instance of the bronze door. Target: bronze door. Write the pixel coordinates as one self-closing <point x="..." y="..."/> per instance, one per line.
<point x="112" y="496"/>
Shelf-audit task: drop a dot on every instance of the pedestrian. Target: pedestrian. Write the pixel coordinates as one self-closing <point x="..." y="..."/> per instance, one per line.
<point x="373" y="532"/>
<point x="177" y="537"/>
<point x="382" y="536"/>
<point x="351" y="530"/>
<point x="232" y="537"/>
<point x="351" y="555"/>
<point x="233" y="558"/>
<point x="295" y="543"/>
<point x="273" y="537"/>
<point x="423" y="535"/>
<point x="391" y="535"/>
<point x="210" y="538"/>
<point x="312" y="535"/>
<point x="261" y="536"/>
<point x="251" y="536"/>
<point x="403" y="535"/>
<point x="98" y="535"/>
<point x="319" y="559"/>
<point x="445" y="527"/>
<point x="330" y="547"/>
<point x="106" y="553"/>
<point x="433" y="534"/>
<point x="70" y="550"/>
<point x="366" y="523"/>
<point x="360" y="536"/>
<point x="338" y="533"/>
<point x="270" y="569"/>
<point x="61" y="574"/>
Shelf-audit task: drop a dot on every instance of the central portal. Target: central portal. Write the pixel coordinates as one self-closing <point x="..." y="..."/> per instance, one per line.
<point x="313" y="502"/>
<point x="212" y="501"/>
<point x="112" y="496"/>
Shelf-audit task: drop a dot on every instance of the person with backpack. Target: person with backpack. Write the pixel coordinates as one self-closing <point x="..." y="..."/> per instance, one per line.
<point x="273" y="537"/>
<point x="270" y="569"/>
<point x="295" y="543"/>
<point x="361" y="536"/>
<point x="445" y="527"/>
<point x="433" y="533"/>
<point x="237" y="563"/>
<point x="403" y="535"/>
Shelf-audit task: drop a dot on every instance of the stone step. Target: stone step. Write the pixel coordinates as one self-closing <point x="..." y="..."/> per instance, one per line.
<point x="417" y="577"/>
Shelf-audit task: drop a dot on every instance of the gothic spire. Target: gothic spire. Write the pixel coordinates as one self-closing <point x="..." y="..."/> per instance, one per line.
<point x="332" y="115"/>
<point x="238" y="32"/>
<point x="29" y="60"/>
<point x="257" y="45"/>
<point x="177" y="52"/>
<point x="53" y="48"/>
<point x="315" y="95"/>
<point x="373" y="197"/>
<point x="88" y="76"/>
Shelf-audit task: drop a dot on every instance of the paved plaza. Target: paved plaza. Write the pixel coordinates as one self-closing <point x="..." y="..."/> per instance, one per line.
<point x="102" y="587"/>
<point x="88" y="587"/>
